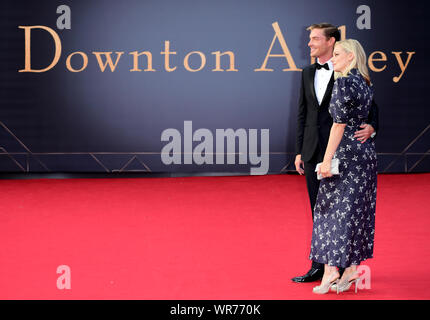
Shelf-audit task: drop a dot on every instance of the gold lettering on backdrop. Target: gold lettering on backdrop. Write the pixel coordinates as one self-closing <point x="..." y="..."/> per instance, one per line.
<point x="287" y="55"/>
<point x="167" y="57"/>
<point x="202" y="64"/>
<point x="84" y="64"/>
<point x="136" y="56"/>
<point x="57" y="41"/>
<point x="104" y="59"/>
<point x="401" y="64"/>
<point x="108" y="61"/>
<point x="218" y="55"/>
<point x="342" y="30"/>
<point x="383" y="57"/>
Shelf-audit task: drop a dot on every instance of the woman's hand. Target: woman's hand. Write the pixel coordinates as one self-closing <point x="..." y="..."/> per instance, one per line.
<point x="324" y="169"/>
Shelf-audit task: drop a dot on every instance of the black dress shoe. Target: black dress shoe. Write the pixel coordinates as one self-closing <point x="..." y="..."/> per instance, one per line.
<point x="312" y="275"/>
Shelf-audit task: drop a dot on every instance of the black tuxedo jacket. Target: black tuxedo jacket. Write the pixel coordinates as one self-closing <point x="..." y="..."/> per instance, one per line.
<point x="314" y="122"/>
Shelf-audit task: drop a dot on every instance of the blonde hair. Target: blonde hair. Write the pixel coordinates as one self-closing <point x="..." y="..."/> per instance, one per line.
<point x="359" y="60"/>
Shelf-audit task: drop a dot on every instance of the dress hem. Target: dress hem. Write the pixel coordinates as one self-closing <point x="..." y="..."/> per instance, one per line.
<point x="342" y="265"/>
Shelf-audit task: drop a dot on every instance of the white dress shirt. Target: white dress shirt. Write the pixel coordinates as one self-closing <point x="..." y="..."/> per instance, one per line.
<point x="322" y="78"/>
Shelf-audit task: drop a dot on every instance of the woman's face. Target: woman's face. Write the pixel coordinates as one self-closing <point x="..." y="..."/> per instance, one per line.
<point x="341" y="58"/>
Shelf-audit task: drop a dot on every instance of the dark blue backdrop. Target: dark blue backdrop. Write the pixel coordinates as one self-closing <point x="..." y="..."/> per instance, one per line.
<point x="112" y="121"/>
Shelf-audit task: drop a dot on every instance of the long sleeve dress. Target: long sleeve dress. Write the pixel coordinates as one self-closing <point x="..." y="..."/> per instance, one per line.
<point x="344" y="213"/>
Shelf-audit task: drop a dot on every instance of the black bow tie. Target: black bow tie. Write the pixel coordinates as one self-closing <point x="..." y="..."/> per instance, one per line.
<point x="325" y="66"/>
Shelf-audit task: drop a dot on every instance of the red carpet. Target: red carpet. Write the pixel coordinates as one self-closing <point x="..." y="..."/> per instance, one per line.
<point x="195" y="238"/>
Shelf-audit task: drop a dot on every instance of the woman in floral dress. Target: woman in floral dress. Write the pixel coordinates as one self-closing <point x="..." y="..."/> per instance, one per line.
<point x="344" y="213"/>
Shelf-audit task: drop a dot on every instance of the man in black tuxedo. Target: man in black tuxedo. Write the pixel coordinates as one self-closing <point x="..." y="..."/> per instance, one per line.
<point x="314" y="121"/>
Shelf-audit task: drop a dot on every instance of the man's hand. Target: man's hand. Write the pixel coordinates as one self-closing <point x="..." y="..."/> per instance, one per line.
<point x="364" y="134"/>
<point x="300" y="165"/>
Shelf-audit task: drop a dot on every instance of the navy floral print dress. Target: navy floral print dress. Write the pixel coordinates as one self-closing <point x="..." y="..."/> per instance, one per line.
<point x="344" y="213"/>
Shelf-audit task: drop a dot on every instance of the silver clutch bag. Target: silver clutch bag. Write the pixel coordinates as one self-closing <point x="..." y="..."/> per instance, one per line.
<point x="334" y="168"/>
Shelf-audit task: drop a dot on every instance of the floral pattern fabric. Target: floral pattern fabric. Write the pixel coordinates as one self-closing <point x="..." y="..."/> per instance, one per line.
<point x="344" y="213"/>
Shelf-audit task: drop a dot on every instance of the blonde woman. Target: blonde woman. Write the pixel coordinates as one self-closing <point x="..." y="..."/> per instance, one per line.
<point x="344" y="213"/>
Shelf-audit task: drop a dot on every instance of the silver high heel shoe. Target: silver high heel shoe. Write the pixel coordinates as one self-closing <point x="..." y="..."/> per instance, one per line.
<point x="333" y="287"/>
<point x="343" y="286"/>
<point x="325" y="287"/>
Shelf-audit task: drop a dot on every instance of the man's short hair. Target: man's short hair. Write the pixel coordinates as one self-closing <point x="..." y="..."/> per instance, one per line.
<point x="329" y="30"/>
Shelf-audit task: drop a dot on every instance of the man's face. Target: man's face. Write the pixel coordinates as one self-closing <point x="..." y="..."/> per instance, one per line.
<point x="319" y="44"/>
